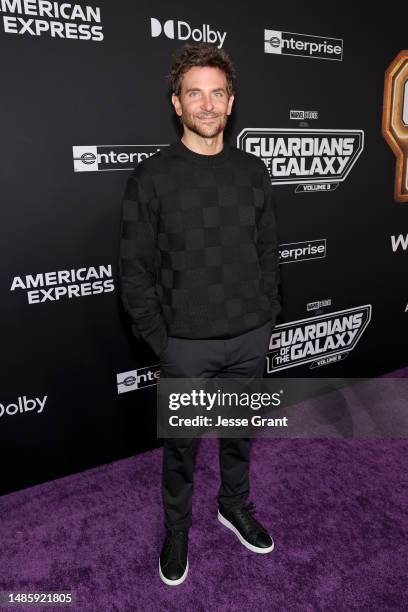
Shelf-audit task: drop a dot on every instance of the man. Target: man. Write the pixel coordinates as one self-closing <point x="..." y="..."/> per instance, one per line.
<point x="199" y="278"/>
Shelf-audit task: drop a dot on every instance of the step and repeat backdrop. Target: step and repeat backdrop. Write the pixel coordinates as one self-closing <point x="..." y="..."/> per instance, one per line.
<point x="322" y="99"/>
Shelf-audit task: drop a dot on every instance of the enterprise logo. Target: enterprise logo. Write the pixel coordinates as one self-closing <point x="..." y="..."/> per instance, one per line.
<point x="291" y="252"/>
<point x="137" y="379"/>
<point x="303" y="45"/>
<point x="99" y="158"/>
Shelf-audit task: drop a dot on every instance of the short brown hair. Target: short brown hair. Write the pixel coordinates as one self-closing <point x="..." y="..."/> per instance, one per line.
<point x="200" y="54"/>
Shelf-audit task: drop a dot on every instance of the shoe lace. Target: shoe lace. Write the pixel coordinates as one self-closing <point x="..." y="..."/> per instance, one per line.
<point x="174" y="545"/>
<point x="247" y="518"/>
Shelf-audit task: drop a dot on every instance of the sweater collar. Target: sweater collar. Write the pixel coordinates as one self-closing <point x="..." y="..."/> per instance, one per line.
<point x="200" y="158"/>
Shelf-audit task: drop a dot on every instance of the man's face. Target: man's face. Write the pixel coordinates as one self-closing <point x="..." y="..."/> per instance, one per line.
<point x="203" y="103"/>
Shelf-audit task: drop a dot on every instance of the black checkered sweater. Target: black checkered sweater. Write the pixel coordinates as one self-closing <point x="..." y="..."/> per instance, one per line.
<point x="198" y="253"/>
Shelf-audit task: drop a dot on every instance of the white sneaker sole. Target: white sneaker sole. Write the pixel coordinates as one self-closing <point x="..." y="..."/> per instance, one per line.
<point x="173" y="582"/>
<point x="256" y="549"/>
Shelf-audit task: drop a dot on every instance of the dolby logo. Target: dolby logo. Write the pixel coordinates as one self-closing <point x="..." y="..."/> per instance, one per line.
<point x="23" y="405"/>
<point x="181" y="30"/>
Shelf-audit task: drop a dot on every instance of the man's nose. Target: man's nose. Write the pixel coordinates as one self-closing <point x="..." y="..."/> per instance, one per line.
<point x="206" y="102"/>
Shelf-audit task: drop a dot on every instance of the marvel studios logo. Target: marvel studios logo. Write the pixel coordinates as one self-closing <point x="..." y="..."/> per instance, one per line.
<point x="318" y="304"/>
<point x="303" y="45"/>
<point x="302" y="115"/>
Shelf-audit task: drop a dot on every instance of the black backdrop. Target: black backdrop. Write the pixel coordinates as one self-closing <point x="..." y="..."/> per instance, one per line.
<point x="69" y="103"/>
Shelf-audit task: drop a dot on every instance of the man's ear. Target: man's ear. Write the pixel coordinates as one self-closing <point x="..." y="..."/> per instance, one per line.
<point x="176" y="103"/>
<point x="230" y="103"/>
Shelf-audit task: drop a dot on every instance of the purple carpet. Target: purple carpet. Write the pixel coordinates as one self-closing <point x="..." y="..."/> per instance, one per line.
<point x="337" y="510"/>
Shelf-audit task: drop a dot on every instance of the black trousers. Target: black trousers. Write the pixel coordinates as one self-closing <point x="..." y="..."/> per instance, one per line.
<point x="241" y="357"/>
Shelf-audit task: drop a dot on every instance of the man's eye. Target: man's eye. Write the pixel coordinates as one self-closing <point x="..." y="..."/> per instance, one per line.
<point x="192" y="93"/>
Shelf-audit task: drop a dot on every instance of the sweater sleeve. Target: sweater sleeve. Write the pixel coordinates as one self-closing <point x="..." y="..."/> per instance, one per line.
<point x="138" y="261"/>
<point x="268" y="245"/>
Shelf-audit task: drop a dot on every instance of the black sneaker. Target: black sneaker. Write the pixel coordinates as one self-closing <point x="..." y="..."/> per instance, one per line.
<point x="248" y="530"/>
<point x="173" y="561"/>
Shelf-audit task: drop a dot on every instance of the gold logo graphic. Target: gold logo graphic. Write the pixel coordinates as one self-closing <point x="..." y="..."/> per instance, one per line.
<point x="395" y="120"/>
